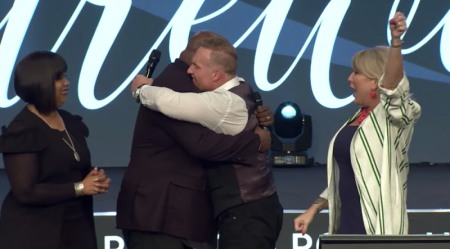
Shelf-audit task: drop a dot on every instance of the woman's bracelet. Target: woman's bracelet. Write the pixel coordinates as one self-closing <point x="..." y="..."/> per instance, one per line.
<point x="396" y="43"/>
<point x="79" y="188"/>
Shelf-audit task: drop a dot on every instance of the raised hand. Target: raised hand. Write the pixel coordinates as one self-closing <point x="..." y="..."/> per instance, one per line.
<point x="398" y="25"/>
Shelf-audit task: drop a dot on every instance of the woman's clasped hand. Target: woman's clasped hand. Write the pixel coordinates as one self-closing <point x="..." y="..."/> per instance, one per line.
<point x="96" y="182"/>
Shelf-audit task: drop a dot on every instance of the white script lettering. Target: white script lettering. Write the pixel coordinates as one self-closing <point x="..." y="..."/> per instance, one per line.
<point x="330" y="22"/>
<point x="445" y="36"/>
<point x="18" y="19"/>
<point x="115" y="13"/>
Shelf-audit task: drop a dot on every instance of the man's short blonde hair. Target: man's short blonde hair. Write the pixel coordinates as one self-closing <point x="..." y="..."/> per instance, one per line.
<point x="223" y="54"/>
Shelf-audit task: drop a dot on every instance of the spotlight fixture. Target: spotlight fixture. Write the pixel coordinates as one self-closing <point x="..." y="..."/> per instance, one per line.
<point x="292" y="136"/>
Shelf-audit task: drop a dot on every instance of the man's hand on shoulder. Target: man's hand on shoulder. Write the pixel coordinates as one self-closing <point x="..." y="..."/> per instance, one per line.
<point x="264" y="115"/>
<point x="266" y="139"/>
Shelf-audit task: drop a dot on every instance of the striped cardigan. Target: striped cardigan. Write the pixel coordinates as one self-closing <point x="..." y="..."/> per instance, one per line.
<point x="379" y="156"/>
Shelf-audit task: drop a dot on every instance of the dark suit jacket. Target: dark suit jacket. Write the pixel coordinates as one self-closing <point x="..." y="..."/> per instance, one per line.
<point x="164" y="188"/>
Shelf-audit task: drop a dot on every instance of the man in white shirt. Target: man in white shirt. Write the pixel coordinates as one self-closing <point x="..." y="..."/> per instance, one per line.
<point x="219" y="110"/>
<point x="215" y="107"/>
<point x="243" y="196"/>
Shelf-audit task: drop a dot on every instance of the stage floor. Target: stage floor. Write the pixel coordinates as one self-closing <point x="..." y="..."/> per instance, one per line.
<point x="428" y="187"/>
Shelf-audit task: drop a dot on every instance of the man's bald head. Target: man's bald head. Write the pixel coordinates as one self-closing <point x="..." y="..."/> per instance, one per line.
<point x="195" y="43"/>
<point x="198" y="39"/>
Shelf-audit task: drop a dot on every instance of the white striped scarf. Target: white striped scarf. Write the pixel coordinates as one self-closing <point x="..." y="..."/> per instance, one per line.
<point x="379" y="156"/>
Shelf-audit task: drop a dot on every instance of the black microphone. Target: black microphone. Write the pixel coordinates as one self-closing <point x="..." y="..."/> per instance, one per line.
<point x="151" y="65"/>
<point x="152" y="62"/>
<point x="258" y="103"/>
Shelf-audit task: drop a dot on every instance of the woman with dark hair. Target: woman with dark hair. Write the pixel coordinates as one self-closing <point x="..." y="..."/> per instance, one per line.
<point x="48" y="164"/>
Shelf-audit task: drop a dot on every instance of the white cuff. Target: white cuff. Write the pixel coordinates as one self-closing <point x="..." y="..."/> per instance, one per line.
<point x="401" y="89"/>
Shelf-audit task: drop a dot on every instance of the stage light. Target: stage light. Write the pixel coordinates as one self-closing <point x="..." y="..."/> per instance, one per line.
<point x="292" y="136"/>
<point x="288" y="112"/>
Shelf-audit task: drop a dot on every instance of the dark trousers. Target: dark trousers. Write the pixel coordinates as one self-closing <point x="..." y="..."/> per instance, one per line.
<point x="254" y="225"/>
<point x="148" y="240"/>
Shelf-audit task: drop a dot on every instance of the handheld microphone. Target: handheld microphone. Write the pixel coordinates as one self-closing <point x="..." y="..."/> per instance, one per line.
<point x="258" y="103"/>
<point x="153" y="60"/>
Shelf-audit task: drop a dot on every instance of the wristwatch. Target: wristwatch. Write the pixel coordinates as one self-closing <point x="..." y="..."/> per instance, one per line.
<point x="136" y="92"/>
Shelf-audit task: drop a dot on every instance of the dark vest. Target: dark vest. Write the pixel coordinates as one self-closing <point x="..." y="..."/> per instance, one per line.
<point x="233" y="184"/>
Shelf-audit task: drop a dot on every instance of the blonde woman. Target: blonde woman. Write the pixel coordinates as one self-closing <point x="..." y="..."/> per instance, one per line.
<point x="368" y="156"/>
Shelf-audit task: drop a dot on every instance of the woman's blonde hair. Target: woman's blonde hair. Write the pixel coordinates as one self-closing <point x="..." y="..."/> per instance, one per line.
<point x="371" y="62"/>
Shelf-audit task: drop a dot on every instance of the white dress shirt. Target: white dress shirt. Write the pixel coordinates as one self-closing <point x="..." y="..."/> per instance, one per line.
<point x="220" y="110"/>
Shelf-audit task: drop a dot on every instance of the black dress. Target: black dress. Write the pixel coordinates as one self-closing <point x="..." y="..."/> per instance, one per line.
<point x="351" y="220"/>
<point x="41" y="210"/>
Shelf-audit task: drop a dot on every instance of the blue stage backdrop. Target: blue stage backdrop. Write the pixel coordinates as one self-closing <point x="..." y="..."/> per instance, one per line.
<point x="288" y="50"/>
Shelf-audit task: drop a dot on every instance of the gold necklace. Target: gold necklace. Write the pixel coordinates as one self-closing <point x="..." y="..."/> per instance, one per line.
<point x="71" y="145"/>
<point x="75" y="153"/>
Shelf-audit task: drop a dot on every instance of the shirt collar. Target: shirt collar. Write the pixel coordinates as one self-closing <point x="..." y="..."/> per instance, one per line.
<point x="231" y="83"/>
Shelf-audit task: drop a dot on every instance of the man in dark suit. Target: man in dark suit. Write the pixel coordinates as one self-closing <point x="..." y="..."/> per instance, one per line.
<point x="164" y="200"/>
<point x="245" y="201"/>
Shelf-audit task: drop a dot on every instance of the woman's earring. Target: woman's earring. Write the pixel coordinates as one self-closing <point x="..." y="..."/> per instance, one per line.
<point x="372" y="95"/>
